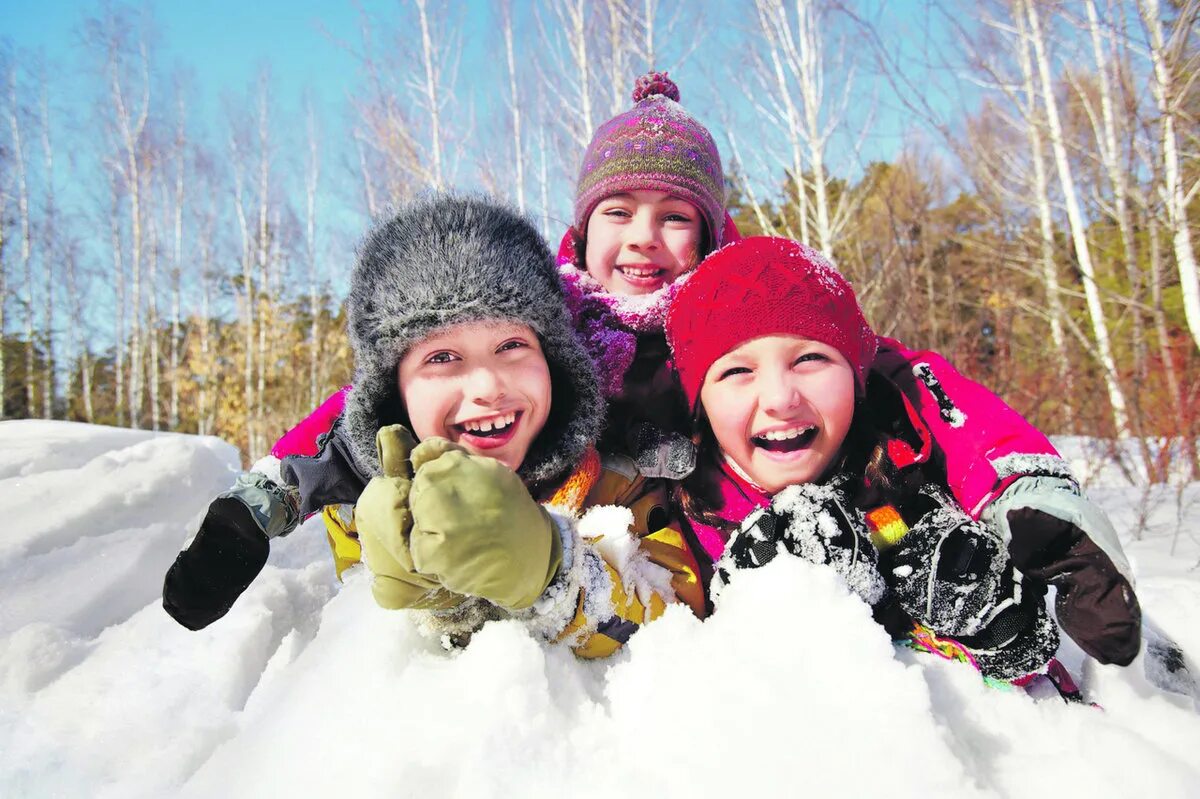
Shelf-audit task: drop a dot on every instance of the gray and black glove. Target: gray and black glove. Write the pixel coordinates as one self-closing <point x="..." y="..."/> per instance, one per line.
<point x="229" y="550"/>
<point x="952" y="575"/>
<point x="1055" y="537"/>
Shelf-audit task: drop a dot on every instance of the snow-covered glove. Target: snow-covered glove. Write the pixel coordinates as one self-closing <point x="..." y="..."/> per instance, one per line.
<point x="626" y="553"/>
<point x="477" y="530"/>
<point x="384" y="523"/>
<point x="229" y="550"/>
<point x="1057" y="536"/>
<point x="810" y="521"/>
<point x="947" y="572"/>
<point x="953" y="576"/>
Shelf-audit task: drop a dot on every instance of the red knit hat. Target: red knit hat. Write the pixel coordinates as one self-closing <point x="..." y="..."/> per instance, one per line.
<point x="764" y="286"/>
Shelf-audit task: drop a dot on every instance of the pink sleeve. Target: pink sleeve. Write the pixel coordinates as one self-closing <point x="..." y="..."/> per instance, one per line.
<point x="302" y="439"/>
<point x="987" y="445"/>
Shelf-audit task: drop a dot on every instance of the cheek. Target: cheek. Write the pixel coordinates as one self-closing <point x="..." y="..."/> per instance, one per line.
<point x="727" y="416"/>
<point x="598" y="257"/>
<point x="427" y="404"/>
<point x="684" y="246"/>
<point x="838" y="405"/>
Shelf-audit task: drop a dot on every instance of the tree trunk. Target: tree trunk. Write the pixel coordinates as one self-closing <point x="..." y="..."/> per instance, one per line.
<point x="514" y="105"/>
<point x="1078" y="228"/>
<point x="1173" y="189"/>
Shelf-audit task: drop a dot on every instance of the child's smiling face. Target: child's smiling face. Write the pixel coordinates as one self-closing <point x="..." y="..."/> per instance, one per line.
<point x="484" y="385"/>
<point x="780" y="407"/>
<point x="640" y="241"/>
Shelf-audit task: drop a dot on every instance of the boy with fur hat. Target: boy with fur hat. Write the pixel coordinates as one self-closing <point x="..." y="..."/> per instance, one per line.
<point x="460" y="336"/>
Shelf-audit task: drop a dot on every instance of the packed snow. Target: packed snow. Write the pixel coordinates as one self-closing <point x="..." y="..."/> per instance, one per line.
<point x="307" y="688"/>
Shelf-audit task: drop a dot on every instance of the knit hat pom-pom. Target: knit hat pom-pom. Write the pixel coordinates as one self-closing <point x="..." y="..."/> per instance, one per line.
<point x="653" y="83"/>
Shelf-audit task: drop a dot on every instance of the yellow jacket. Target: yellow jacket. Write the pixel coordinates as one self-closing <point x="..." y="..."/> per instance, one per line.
<point x="625" y="558"/>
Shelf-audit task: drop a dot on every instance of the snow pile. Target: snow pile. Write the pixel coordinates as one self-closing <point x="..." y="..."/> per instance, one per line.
<point x="307" y="688"/>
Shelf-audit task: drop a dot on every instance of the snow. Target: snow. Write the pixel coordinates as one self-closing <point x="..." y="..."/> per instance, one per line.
<point x="307" y="688"/>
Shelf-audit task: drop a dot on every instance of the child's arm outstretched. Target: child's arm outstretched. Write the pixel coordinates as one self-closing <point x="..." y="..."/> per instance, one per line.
<point x="1002" y="469"/>
<point x="306" y="470"/>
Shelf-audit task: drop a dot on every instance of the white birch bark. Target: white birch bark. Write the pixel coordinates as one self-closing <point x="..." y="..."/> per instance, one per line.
<point x="312" y="176"/>
<point x="118" y="271"/>
<point x="1041" y="189"/>
<point x="18" y="159"/>
<point x="514" y="103"/>
<point x="1175" y="196"/>
<point x="76" y="335"/>
<point x="177" y="259"/>
<point x="432" y="100"/>
<point x="1078" y="227"/>
<point x="247" y="299"/>
<point x="51" y="247"/>
<point x="263" y="242"/>
<point x="154" y="366"/>
<point x="131" y="124"/>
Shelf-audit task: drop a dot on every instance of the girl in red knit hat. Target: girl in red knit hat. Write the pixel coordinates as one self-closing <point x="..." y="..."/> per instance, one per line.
<point x="804" y="446"/>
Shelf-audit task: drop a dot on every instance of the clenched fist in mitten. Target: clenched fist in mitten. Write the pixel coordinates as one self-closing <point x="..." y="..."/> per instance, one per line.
<point x="476" y="529"/>
<point x="384" y="523"/>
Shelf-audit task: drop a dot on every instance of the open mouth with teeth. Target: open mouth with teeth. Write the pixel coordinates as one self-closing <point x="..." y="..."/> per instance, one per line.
<point x="791" y="440"/>
<point x="642" y="274"/>
<point x="489" y="432"/>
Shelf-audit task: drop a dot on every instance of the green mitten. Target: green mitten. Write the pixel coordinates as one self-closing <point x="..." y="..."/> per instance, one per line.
<point x="477" y="530"/>
<point x="384" y="525"/>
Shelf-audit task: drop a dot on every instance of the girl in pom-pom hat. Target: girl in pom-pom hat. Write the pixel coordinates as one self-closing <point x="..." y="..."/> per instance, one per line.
<point x="805" y="446"/>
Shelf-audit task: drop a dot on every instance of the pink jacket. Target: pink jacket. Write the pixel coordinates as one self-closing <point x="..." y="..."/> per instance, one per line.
<point x="986" y="444"/>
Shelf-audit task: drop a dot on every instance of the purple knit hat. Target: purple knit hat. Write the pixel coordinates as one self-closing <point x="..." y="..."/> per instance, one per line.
<point x="656" y="145"/>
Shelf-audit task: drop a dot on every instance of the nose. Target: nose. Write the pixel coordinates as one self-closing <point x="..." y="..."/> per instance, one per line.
<point x="778" y="392"/>
<point x="485" y="386"/>
<point x="643" y="231"/>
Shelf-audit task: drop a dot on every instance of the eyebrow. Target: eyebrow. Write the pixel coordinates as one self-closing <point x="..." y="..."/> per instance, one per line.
<point x="624" y="195"/>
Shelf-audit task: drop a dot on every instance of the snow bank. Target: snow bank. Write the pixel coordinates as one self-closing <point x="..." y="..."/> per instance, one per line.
<point x="307" y="688"/>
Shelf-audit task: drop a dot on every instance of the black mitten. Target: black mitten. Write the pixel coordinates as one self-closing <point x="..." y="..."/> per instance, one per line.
<point x="223" y="559"/>
<point x="812" y="522"/>
<point x="948" y="572"/>
<point x="1095" y="604"/>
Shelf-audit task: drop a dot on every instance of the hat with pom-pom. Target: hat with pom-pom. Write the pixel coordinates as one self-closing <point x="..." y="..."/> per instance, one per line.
<point x="764" y="286"/>
<point x="656" y="145"/>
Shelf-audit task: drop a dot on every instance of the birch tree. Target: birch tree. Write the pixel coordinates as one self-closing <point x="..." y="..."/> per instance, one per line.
<point x="514" y="102"/>
<point x="1166" y="55"/>
<point x="179" y="158"/>
<point x="129" y="96"/>
<point x="50" y="248"/>
<point x="1116" y="395"/>
<point x="312" y="176"/>
<point x="23" y="220"/>
<point x="795" y="74"/>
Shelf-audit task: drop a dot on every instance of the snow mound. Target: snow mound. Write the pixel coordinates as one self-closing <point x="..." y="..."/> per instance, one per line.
<point x="307" y="688"/>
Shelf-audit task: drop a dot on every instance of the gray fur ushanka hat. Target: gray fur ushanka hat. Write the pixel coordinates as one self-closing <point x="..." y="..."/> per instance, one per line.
<point x="447" y="259"/>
